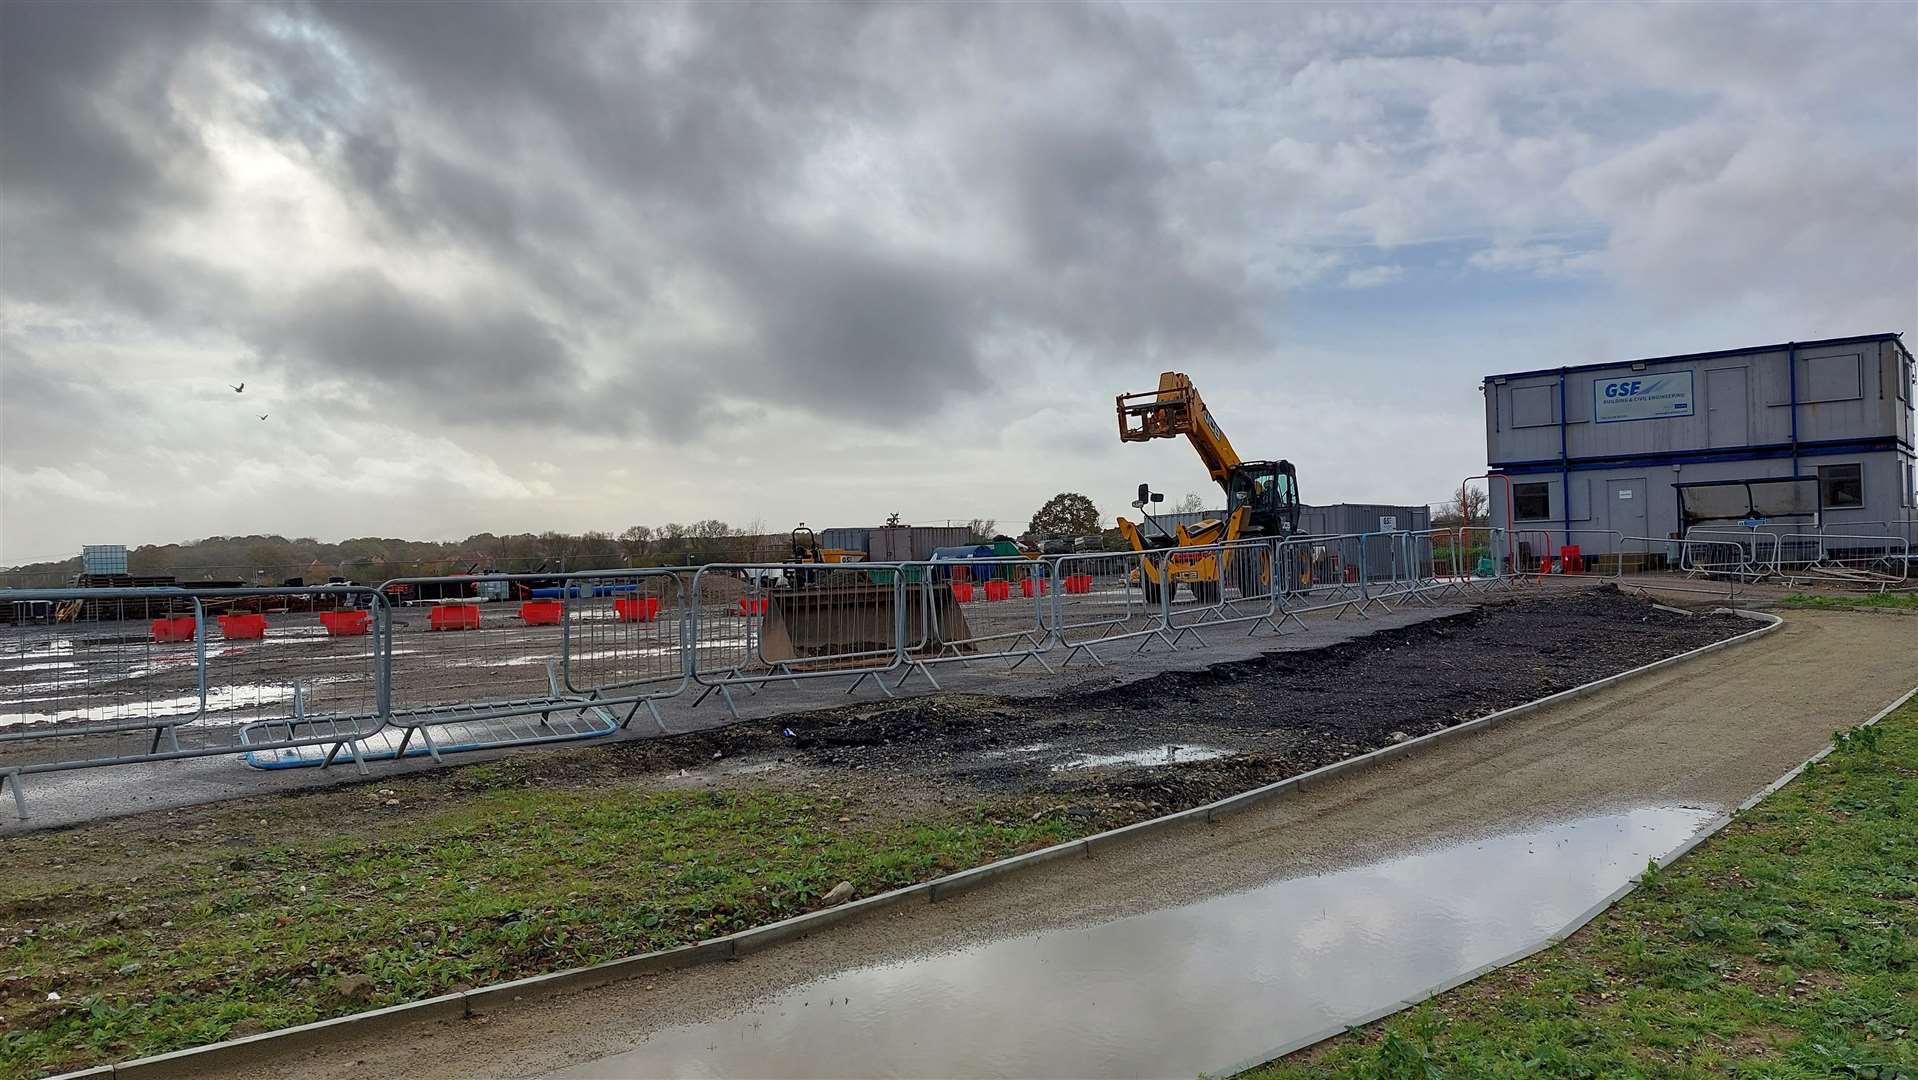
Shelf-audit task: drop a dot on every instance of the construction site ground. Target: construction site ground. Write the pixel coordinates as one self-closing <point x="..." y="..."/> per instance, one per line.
<point x="963" y="716"/>
<point x="877" y="793"/>
<point x="1704" y="734"/>
<point x="65" y="798"/>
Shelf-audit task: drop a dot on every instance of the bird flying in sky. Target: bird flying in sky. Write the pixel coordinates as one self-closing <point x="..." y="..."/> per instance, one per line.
<point x="240" y="389"/>
<point x="262" y="416"/>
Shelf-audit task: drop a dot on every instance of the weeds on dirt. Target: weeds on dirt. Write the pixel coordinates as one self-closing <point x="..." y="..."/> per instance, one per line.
<point x="1872" y="602"/>
<point x="233" y="936"/>
<point x="1785" y="946"/>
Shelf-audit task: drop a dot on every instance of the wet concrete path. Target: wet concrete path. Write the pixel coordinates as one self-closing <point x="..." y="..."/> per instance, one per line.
<point x="1203" y="947"/>
<point x="1202" y="988"/>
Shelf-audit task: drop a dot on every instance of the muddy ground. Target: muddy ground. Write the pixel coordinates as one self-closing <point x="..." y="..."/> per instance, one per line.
<point x="1183" y="738"/>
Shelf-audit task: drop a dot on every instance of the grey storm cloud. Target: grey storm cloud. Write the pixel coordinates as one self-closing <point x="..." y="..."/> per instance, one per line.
<point x="363" y="329"/>
<point x="610" y="166"/>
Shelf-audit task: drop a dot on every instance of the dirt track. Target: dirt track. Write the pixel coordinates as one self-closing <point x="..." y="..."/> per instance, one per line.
<point x="1706" y="733"/>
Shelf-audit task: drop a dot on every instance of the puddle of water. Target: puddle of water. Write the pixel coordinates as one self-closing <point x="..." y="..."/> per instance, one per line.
<point x="1163" y="754"/>
<point x="1204" y="988"/>
<point x="218" y="698"/>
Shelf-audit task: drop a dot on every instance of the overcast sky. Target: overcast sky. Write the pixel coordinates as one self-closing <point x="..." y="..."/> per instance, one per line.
<point x="515" y="268"/>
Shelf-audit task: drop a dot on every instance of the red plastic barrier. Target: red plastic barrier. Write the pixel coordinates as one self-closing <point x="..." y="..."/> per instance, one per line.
<point x="542" y="612"/>
<point x="1029" y="585"/>
<point x="1078" y="583"/>
<point x="1571" y="560"/>
<point x="242" y="627"/>
<point x="455" y="617"/>
<point x="637" y="609"/>
<point x="752" y="605"/>
<point x="998" y="589"/>
<point x="173" y="628"/>
<point x="345" y="623"/>
<point x="962" y="591"/>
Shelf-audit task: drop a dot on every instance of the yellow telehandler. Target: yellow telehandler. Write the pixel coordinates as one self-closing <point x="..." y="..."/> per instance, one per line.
<point x="1261" y="497"/>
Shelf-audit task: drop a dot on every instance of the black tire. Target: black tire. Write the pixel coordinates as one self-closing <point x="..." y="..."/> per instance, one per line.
<point x="1249" y="574"/>
<point x="1205" y="592"/>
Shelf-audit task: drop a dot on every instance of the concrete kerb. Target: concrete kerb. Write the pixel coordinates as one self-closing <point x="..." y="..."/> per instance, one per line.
<point x="1584" y="918"/>
<point x="732" y="946"/>
<point x="267" y="1044"/>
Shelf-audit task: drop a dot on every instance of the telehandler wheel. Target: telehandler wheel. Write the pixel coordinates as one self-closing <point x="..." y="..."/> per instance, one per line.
<point x="1152" y="592"/>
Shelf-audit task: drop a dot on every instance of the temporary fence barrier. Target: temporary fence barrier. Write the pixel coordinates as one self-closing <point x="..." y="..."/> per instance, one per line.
<point x="560" y="666"/>
<point x="979" y="609"/>
<point x="299" y="677"/>
<point x="1852" y="559"/>
<point x="1219" y="585"/>
<point x="1433" y="556"/>
<point x="1105" y="602"/>
<point x="97" y="686"/>
<point x="755" y="624"/>
<point x="1321" y="573"/>
<point x="1762" y="551"/>
<point x="1486" y="555"/>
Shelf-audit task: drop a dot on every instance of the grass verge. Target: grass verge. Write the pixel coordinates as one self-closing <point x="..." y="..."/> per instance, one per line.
<point x="1874" y="602"/>
<point x="1784" y="946"/>
<point x="286" y="911"/>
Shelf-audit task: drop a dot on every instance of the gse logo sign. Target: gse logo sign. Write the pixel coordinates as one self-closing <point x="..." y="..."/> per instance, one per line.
<point x="1656" y="397"/>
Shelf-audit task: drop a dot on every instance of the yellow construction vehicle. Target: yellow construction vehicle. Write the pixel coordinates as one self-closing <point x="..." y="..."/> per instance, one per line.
<point x="806" y="549"/>
<point x="1262" y="497"/>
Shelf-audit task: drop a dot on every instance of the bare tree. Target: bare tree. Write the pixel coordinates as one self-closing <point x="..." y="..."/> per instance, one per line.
<point x="1464" y="507"/>
<point x="636" y="542"/>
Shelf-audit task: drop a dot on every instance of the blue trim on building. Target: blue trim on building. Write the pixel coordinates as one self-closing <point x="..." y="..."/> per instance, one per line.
<point x="1774" y="452"/>
<point x="1679" y="358"/>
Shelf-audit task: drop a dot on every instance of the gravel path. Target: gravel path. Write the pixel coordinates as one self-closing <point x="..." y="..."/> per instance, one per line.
<point x="1707" y="733"/>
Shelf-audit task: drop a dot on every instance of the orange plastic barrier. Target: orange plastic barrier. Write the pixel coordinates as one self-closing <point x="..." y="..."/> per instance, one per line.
<point x="542" y="612"/>
<point x="455" y="617"/>
<point x="345" y="623"/>
<point x="637" y="609"/>
<point x="242" y="627"/>
<point x="1078" y="583"/>
<point x="998" y="589"/>
<point x="962" y="591"/>
<point x="173" y="628"/>
<point x="752" y="605"/>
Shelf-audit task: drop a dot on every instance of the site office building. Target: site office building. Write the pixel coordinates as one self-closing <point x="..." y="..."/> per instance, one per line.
<point x="1599" y="448"/>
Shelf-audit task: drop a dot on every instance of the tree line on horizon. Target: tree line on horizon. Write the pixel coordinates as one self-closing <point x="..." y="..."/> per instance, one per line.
<point x="271" y="559"/>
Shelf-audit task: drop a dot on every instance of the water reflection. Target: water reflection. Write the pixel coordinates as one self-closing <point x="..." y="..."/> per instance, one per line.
<point x="1199" y="988"/>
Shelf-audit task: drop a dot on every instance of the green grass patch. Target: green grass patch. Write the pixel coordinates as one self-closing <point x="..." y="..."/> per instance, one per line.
<point x="1785" y="946"/>
<point x="1872" y="602"/>
<point x="159" y="937"/>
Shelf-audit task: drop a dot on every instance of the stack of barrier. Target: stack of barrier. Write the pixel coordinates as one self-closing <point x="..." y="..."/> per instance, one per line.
<point x="1874" y="561"/>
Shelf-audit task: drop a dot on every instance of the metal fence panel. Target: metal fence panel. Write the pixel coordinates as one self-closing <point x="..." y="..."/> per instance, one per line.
<point x="759" y="623"/>
<point x="1101" y="602"/>
<point x="117" y="676"/>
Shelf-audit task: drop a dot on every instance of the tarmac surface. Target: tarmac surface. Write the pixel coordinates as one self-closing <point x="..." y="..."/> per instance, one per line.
<point x="1201" y="948"/>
